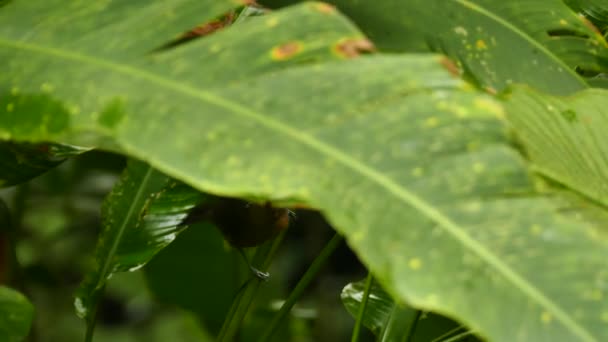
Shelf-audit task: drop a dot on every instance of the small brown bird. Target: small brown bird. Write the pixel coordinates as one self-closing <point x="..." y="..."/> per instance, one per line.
<point x="243" y="224"/>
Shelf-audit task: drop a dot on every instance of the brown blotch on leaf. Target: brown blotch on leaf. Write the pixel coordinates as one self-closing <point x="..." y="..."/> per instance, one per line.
<point x="490" y="90"/>
<point x="590" y="25"/>
<point x="200" y="31"/>
<point x="324" y="8"/>
<point x="351" y="48"/>
<point x="210" y="27"/>
<point x="286" y="51"/>
<point x="450" y="66"/>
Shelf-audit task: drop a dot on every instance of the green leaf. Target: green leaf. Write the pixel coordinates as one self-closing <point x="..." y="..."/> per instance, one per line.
<point x="496" y="42"/>
<point x="565" y="137"/>
<point x="196" y="272"/>
<point x="125" y="244"/>
<point x="22" y="162"/>
<point x="16" y="314"/>
<point x="416" y="171"/>
<point x="391" y="322"/>
<point x="595" y="10"/>
<point x="380" y="306"/>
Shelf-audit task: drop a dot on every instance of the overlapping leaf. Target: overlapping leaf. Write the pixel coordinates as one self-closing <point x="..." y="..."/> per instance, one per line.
<point x="380" y="306"/>
<point x="565" y="137"/>
<point x="396" y="322"/>
<point x="16" y="315"/>
<point x="497" y="42"/>
<point x="22" y="162"/>
<point x="595" y="10"/>
<point x="414" y="169"/>
<point x="122" y="246"/>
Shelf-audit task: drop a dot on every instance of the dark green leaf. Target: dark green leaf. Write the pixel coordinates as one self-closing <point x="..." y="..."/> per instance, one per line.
<point x="379" y="307"/>
<point x="125" y="243"/>
<point x="197" y="273"/>
<point x="16" y="314"/>
<point x="22" y="162"/>
<point x="595" y="10"/>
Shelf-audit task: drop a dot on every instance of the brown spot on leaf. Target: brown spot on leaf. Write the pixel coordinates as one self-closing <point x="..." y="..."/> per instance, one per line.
<point x="450" y="66"/>
<point x="353" y="47"/>
<point x="286" y="51"/>
<point x="490" y="90"/>
<point x="590" y="25"/>
<point x="324" y="8"/>
<point x="210" y="27"/>
<point x="201" y="30"/>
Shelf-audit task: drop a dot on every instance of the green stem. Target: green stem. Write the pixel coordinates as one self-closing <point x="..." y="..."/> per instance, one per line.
<point x="410" y="334"/>
<point x="243" y="300"/>
<point x="359" y="322"/>
<point x="306" y="279"/>
<point x="88" y="337"/>
<point x="448" y="334"/>
<point x="459" y="336"/>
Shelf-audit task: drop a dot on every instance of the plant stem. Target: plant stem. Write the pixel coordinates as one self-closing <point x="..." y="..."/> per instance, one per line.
<point x="359" y="322"/>
<point x="448" y="333"/>
<point x="306" y="279"/>
<point x="410" y="334"/>
<point x="245" y="297"/>
<point x="458" y="337"/>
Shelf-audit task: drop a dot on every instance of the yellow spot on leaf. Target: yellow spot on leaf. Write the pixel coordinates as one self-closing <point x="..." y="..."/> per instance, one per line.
<point x="272" y="22"/>
<point x="286" y="51"/>
<point x="47" y="87"/>
<point x="75" y="110"/>
<point x="417" y="172"/>
<point x="479" y="167"/>
<point x="604" y="316"/>
<point x="563" y="22"/>
<point x="489" y="105"/>
<point x="415" y="264"/>
<point x="431" y="122"/>
<point x="546" y="317"/>
<point x="14" y="91"/>
<point x="536" y="229"/>
<point x="10" y="107"/>
<point x="481" y="45"/>
<point x="324" y="8"/>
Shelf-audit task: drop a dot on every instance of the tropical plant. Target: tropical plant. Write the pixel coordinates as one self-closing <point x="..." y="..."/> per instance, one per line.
<point x="457" y="146"/>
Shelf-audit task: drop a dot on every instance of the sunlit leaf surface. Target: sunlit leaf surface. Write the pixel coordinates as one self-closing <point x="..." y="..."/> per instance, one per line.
<point x="16" y="314"/>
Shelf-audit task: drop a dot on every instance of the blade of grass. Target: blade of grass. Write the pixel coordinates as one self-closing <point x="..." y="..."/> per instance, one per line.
<point x="306" y="279"/>
<point x="243" y="300"/>
<point x="359" y="322"/>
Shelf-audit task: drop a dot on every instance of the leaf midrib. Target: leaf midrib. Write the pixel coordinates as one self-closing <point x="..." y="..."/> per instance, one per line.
<point x="273" y="125"/>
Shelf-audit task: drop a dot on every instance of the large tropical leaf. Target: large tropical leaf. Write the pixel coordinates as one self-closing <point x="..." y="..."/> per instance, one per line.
<point x="16" y="314"/>
<point x="497" y="42"/>
<point x="565" y="137"/>
<point x="414" y="169"/>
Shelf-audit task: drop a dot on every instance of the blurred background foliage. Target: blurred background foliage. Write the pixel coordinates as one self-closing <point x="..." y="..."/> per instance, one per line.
<point x="184" y="293"/>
